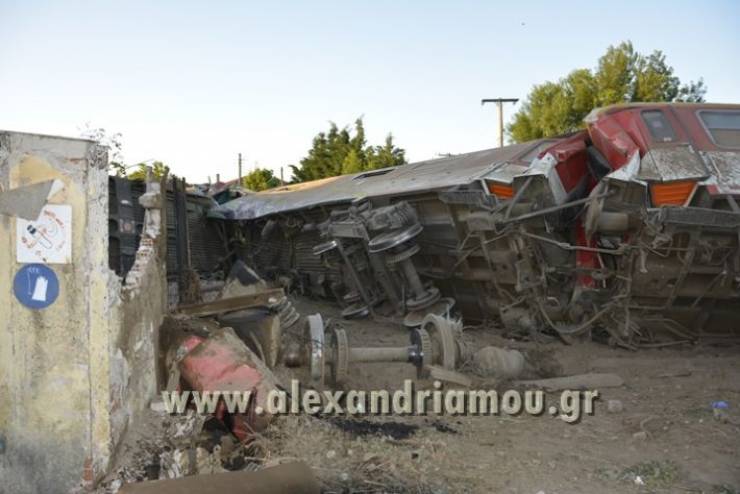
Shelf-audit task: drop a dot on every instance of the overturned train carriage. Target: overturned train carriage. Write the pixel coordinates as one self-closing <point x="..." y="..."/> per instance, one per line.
<point x="627" y="231"/>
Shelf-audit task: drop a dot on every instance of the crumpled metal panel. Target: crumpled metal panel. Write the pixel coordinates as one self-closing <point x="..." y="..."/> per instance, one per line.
<point x="223" y="363"/>
<point x="405" y="179"/>
<point x="666" y="164"/>
<point x="726" y="171"/>
<point x="506" y="172"/>
<point x="700" y="217"/>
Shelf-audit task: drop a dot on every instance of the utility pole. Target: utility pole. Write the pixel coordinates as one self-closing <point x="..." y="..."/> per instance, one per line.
<point x="282" y="181"/>
<point x="500" y="104"/>
<point x="240" y="169"/>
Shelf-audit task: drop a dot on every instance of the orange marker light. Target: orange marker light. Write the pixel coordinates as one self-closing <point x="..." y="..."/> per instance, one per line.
<point x="501" y="191"/>
<point x="671" y="193"/>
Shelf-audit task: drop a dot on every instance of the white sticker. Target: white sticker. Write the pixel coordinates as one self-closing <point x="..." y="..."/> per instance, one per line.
<point x="48" y="239"/>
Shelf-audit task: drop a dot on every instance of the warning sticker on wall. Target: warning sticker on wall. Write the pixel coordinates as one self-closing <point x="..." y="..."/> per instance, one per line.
<point x="48" y="239"/>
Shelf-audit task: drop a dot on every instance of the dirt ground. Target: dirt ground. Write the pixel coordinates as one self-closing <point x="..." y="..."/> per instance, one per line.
<point x="665" y="439"/>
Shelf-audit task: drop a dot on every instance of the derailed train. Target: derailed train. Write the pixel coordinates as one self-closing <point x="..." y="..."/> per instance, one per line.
<point x="628" y="230"/>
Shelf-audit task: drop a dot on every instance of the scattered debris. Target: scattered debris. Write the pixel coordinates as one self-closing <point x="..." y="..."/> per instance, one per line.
<point x="442" y="374"/>
<point x="434" y="346"/>
<point x="541" y="363"/>
<point x="497" y="362"/>
<point x="640" y="436"/>
<point x="385" y="455"/>
<point x="725" y="489"/>
<point x="582" y="381"/>
<point x="227" y="305"/>
<point x="189" y="425"/>
<point x="223" y="363"/>
<point x="243" y="281"/>
<point x="442" y="427"/>
<point x="173" y="446"/>
<point x="158" y="405"/>
<point x="614" y="406"/>
<point x="369" y="459"/>
<point x="259" y="329"/>
<point x="720" y="409"/>
<point x="361" y="427"/>
<point x="288" y="478"/>
<point x="653" y="474"/>
<point x="680" y="373"/>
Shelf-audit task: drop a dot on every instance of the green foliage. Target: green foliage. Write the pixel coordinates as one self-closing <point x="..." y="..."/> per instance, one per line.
<point x="112" y="142"/>
<point x="384" y="156"/>
<point x="622" y="75"/>
<point x="159" y="170"/>
<point x="115" y="154"/>
<point x="353" y="162"/>
<point x="692" y="92"/>
<point x="341" y="151"/>
<point x="260" y="179"/>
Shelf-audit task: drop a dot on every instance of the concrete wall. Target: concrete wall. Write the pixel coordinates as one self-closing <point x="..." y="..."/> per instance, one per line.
<point x="135" y="328"/>
<point x="73" y="375"/>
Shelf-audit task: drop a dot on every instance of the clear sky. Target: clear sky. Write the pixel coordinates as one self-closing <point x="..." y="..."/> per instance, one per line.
<point x="194" y="83"/>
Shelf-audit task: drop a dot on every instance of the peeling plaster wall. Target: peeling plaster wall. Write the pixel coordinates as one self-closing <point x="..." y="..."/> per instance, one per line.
<point x="73" y="375"/>
<point x="143" y="305"/>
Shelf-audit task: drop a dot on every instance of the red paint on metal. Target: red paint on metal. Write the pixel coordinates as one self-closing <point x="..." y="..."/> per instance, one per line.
<point x="209" y="366"/>
<point x="585" y="259"/>
<point x="618" y="131"/>
<point x="571" y="156"/>
<point x="609" y="137"/>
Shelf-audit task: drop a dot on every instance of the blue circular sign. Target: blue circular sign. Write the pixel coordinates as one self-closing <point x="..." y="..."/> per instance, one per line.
<point x="36" y="286"/>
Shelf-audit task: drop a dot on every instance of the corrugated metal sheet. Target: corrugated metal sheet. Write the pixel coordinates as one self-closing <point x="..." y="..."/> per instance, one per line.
<point x="405" y="179"/>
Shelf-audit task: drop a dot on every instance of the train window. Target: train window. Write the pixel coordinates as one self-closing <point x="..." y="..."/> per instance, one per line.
<point x="723" y="126"/>
<point x="658" y="125"/>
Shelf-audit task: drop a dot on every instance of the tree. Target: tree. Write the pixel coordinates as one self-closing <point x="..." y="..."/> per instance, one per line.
<point x="353" y="162"/>
<point x="112" y="142"/>
<point x="159" y="170"/>
<point x="622" y="75"/>
<point x="260" y="179"/>
<point x="341" y="151"/>
<point x="385" y="155"/>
